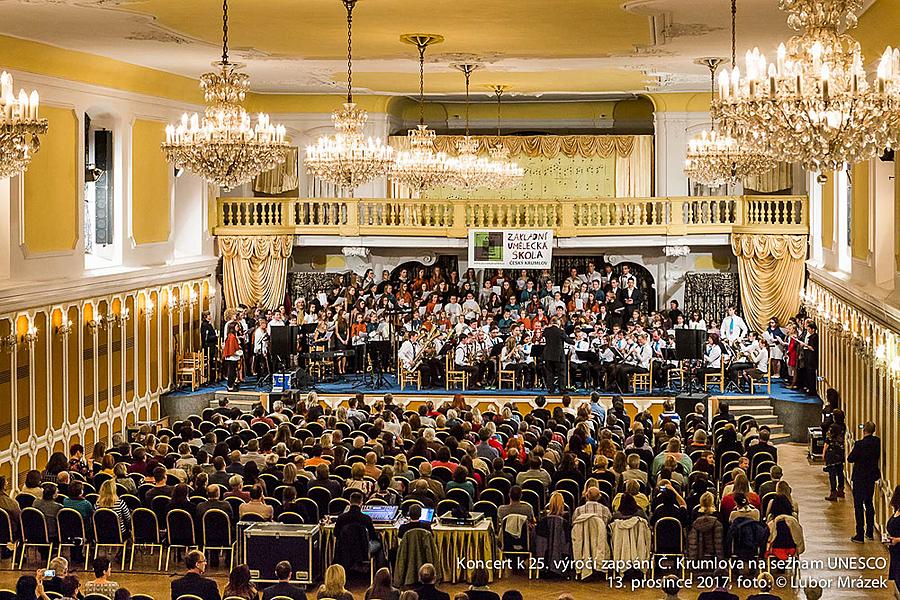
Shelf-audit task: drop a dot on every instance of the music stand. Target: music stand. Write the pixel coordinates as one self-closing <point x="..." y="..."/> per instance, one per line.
<point x="378" y="350"/>
<point x="689" y="346"/>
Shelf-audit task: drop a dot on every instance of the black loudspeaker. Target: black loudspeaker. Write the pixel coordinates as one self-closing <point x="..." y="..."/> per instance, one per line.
<point x="684" y="404"/>
<point x="281" y="342"/>
<point x="689" y="344"/>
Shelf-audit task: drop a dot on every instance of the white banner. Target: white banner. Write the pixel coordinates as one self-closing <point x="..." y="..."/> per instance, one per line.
<point x="510" y="248"/>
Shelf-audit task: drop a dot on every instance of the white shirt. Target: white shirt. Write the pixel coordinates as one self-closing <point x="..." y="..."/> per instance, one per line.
<point x="761" y="358"/>
<point x="733" y="328"/>
<point x="581" y="345"/>
<point x="407" y="353"/>
<point x="712" y="357"/>
<point x="459" y="356"/>
<point x="260" y="341"/>
<point x="698" y="325"/>
<point x="644" y="356"/>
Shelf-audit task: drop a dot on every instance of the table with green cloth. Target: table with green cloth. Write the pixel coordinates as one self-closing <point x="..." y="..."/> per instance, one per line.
<point x="463" y="548"/>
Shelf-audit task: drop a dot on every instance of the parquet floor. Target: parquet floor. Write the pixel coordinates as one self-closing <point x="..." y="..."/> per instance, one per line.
<point x="827" y="529"/>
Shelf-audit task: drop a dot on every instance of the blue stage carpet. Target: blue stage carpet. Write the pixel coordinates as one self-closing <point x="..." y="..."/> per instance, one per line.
<point x="353" y="384"/>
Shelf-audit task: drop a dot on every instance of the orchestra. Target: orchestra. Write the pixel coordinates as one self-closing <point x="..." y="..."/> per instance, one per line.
<point x="593" y="332"/>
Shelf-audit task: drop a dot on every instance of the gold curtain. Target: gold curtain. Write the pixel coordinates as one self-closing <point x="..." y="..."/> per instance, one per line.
<point x="771" y="271"/>
<point x="548" y="146"/>
<point x="255" y="269"/>
<point x="634" y="172"/>
<point x="281" y="178"/>
<point x="776" y="179"/>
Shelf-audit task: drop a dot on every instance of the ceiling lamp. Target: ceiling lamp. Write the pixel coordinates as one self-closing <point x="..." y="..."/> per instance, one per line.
<point x="509" y="173"/>
<point x="814" y="104"/>
<point x="471" y="170"/>
<point x="348" y="159"/>
<point x="20" y="127"/>
<point x="224" y="147"/>
<point x="421" y="168"/>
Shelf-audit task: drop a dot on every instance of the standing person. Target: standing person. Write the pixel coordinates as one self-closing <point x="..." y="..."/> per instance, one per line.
<point x="231" y="357"/>
<point x="555" y="357"/>
<point x="893" y="531"/>
<point x="866" y="459"/>
<point x="261" y="365"/>
<point x="810" y="359"/>
<point x="834" y="455"/>
<point x="209" y="339"/>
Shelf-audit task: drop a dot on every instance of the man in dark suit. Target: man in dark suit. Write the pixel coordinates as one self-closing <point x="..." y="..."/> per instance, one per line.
<point x="555" y="340"/>
<point x="426" y="589"/>
<point x="209" y="339"/>
<point x="284" y="587"/>
<point x="631" y="297"/>
<point x="193" y="582"/>
<point x="866" y="459"/>
<point x="810" y="359"/>
<point x="763" y="445"/>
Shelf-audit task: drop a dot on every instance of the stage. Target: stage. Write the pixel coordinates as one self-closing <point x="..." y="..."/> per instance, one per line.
<point x="787" y="412"/>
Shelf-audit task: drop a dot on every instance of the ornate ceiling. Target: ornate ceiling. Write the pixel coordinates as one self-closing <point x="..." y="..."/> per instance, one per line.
<point x="537" y="47"/>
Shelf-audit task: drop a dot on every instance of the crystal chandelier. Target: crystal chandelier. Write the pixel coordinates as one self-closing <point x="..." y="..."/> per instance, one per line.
<point x="421" y="168"/>
<point x="509" y="173"/>
<point x="716" y="158"/>
<point x="471" y="170"/>
<point x="348" y="159"/>
<point x="20" y="128"/>
<point x="224" y="146"/>
<point x="814" y="104"/>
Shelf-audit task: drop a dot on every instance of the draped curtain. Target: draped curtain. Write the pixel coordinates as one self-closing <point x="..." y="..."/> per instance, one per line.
<point x="634" y="171"/>
<point x="281" y="178"/>
<point x="771" y="269"/>
<point x="255" y="269"/>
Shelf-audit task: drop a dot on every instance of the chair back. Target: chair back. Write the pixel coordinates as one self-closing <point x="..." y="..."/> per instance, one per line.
<point x="494" y="495"/>
<point x="97" y="597"/>
<point x="6" y="531"/>
<point x="445" y="506"/>
<point x="216" y="528"/>
<point x="141" y="597"/>
<point x="70" y="525"/>
<point x="337" y="505"/>
<point x="107" y="529"/>
<point x="159" y="505"/>
<point x="144" y="526"/>
<point x="180" y="528"/>
<point x="34" y="526"/>
<point x="321" y="496"/>
<point x="460" y="495"/>
<point x="291" y="518"/>
<point x="668" y="536"/>
<point x="488" y="508"/>
<point x="25" y="500"/>
<point x="537" y="487"/>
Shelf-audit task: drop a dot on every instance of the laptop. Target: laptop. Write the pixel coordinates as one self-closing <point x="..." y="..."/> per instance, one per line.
<point x="380" y="513"/>
<point x="427" y="515"/>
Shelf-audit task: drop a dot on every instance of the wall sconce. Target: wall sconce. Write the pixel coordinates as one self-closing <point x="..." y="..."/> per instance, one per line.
<point x="122" y="317"/>
<point x="98" y="323"/>
<point x="211" y="293"/>
<point x="149" y="307"/>
<point x="30" y="336"/>
<point x="193" y="299"/>
<point x="64" y="329"/>
<point x="173" y="303"/>
<point x="9" y="342"/>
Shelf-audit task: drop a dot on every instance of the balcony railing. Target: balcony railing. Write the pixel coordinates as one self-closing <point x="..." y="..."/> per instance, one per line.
<point x="677" y="215"/>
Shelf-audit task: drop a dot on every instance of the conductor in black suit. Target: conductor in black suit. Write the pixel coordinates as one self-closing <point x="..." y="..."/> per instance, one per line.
<point x="866" y="459"/>
<point x="193" y="582"/>
<point x="555" y="356"/>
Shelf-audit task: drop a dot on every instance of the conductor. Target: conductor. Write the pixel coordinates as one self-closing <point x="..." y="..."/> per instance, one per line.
<point x="554" y="356"/>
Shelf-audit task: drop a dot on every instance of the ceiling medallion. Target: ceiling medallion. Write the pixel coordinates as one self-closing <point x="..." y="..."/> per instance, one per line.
<point x="347" y="159"/>
<point x="814" y="104"/>
<point x="223" y="146"/>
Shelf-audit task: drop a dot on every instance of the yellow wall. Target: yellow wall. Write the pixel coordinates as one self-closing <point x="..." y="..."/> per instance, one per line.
<point x="860" y="238"/>
<point x="52" y="383"/>
<point x="150" y="184"/>
<point x="51" y="186"/>
<point x="828" y="198"/>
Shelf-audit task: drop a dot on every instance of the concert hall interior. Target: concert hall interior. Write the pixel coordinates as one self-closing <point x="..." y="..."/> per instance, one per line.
<point x="557" y="299"/>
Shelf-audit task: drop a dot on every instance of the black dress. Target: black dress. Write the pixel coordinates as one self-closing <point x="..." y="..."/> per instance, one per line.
<point x="893" y="529"/>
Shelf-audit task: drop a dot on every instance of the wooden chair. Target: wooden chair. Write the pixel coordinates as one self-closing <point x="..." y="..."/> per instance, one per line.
<point x="320" y="367"/>
<point x="675" y="374"/>
<point x="643" y="380"/>
<point x="506" y="376"/>
<point x="717" y="378"/>
<point x="405" y="376"/>
<point x="190" y="369"/>
<point x="764" y="380"/>
<point x="454" y="376"/>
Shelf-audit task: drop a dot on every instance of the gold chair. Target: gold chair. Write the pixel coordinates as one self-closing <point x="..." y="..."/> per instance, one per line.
<point x="764" y="380"/>
<point x="717" y="378"/>
<point x="454" y="376"/>
<point x="643" y="380"/>
<point x="405" y="376"/>
<point x="675" y="374"/>
<point x="189" y="369"/>
<point x="506" y="376"/>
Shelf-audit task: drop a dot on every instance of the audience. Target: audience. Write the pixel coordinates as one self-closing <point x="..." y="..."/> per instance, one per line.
<point x="101" y="584"/>
<point x="284" y="587"/>
<point x="193" y="582"/>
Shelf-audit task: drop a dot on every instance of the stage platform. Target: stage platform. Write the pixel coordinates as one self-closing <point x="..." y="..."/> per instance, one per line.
<point x="787" y="412"/>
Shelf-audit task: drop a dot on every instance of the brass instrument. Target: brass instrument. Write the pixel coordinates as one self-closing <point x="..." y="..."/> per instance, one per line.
<point x="428" y="342"/>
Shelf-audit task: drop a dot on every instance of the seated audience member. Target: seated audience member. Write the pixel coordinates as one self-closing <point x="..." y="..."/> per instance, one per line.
<point x="108" y="498"/>
<point x="284" y="587"/>
<point x="382" y="588"/>
<point x="70" y="588"/>
<point x="160" y="486"/>
<point x="334" y="585"/>
<point x="193" y="582"/>
<point x="592" y="506"/>
<point x="213" y="501"/>
<point x="415" y="521"/>
<point x="479" y="590"/>
<point x="181" y="501"/>
<point x="33" y="485"/>
<point x="239" y="584"/>
<point x="257" y="505"/>
<point x="515" y="506"/>
<point x="742" y="509"/>
<point x="357" y="480"/>
<point x="12" y="508"/>
<point x="50" y="507"/>
<point x="29" y="587"/>
<point x="633" y="489"/>
<point x="634" y="470"/>
<point x="236" y="485"/>
<point x="101" y="583"/>
<point x="427" y="588"/>
<point x="766" y="585"/>
<point x="60" y="568"/>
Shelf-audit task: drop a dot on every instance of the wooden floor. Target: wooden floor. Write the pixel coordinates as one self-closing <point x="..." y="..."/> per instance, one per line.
<point x="827" y="529"/>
